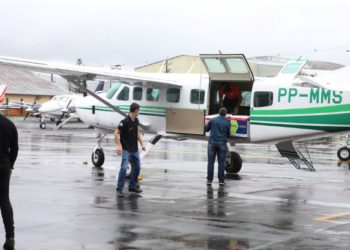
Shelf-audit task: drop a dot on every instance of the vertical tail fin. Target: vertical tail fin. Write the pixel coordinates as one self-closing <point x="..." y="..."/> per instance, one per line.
<point x="2" y="93"/>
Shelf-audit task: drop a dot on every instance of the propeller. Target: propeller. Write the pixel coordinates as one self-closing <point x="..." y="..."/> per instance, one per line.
<point x="32" y="109"/>
<point x="66" y="110"/>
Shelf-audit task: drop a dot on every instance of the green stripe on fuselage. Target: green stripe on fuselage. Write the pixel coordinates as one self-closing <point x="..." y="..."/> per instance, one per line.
<point x="332" y="119"/>
<point x="143" y="111"/>
<point x="303" y="111"/>
<point x="324" y="128"/>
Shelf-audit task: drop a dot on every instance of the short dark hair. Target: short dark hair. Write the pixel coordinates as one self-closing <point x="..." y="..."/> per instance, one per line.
<point x="223" y="111"/>
<point x="134" y="107"/>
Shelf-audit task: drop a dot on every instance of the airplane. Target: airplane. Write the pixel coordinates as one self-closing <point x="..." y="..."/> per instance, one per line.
<point x="276" y="110"/>
<point x="59" y="107"/>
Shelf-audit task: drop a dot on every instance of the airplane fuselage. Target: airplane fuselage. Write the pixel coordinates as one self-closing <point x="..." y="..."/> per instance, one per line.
<point x="277" y="109"/>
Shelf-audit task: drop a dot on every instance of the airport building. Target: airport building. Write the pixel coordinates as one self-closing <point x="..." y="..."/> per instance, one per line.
<point x="25" y="86"/>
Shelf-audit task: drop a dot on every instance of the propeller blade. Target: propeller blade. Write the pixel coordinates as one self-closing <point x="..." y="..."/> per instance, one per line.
<point x="25" y="118"/>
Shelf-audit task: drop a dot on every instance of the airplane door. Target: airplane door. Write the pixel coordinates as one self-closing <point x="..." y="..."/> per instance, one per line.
<point x="185" y="121"/>
<point x="227" y="67"/>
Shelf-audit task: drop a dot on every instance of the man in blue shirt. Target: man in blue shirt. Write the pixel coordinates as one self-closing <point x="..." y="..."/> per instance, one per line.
<point x="219" y="129"/>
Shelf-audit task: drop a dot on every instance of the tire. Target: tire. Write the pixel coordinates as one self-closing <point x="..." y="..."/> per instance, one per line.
<point x="344" y="154"/>
<point x="98" y="158"/>
<point x="234" y="164"/>
<point x="42" y="125"/>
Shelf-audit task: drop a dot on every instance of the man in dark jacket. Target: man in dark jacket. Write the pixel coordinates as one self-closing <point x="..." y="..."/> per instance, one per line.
<point x="8" y="156"/>
<point x="127" y="136"/>
<point x="219" y="129"/>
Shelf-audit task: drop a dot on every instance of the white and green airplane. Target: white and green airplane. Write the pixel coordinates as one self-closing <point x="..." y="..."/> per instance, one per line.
<point x="276" y="110"/>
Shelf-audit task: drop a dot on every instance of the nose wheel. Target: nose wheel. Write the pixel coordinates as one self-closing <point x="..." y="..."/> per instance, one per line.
<point x="98" y="157"/>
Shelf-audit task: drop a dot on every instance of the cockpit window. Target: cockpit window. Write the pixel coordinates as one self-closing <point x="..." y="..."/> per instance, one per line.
<point x="113" y="90"/>
<point x="124" y="94"/>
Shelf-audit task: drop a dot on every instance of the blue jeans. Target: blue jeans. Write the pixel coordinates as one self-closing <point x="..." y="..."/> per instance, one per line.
<point x="219" y="149"/>
<point x="126" y="157"/>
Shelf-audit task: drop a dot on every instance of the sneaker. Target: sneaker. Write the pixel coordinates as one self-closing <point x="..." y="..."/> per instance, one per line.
<point x="221" y="184"/>
<point x="208" y="183"/>
<point x="135" y="189"/>
<point x="9" y="244"/>
<point x="120" y="194"/>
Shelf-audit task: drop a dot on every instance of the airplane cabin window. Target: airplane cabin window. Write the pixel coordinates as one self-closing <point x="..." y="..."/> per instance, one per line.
<point x="124" y="94"/>
<point x="173" y="95"/>
<point x="152" y="95"/>
<point x="237" y="65"/>
<point x="263" y="99"/>
<point x="215" y="65"/>
<point x="197" y="96"/>
<point x="137" y="93"/>
<point x="111" y="92"/>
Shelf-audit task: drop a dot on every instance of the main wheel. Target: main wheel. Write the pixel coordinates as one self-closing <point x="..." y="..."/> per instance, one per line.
<point x="234" y="163"/>
<point x="98" y="157"/>
<point x="344" y="154"/>
<point x="42" y="125"/>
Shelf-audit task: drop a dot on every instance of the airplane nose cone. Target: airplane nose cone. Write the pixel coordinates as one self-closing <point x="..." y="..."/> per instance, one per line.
<point x="48" y="108"/>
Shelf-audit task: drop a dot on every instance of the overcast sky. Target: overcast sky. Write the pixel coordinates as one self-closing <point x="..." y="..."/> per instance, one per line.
<point x="135" y="32"/>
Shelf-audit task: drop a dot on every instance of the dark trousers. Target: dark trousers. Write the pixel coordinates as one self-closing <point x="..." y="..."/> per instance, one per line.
<point x="135" y="171"/>
<point x="216" y="149"/>
<point x="5" y="204"/>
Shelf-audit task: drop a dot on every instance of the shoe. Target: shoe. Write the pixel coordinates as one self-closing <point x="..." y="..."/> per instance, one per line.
<point x="120" y="194"/>
<point x="135" y="189"/>
<point x="221" y="184"/>
<point x="208" y="183"/>
<point x="9" y="244"/>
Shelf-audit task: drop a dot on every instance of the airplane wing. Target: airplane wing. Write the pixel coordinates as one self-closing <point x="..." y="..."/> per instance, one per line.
<point x="335" y="80"/>
<point x="76" y="72"/>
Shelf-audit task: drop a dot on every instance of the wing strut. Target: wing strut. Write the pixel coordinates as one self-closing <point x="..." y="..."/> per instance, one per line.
<point x="77" y="83"/>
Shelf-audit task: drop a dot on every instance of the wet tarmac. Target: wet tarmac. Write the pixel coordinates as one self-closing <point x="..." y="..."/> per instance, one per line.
<point x="61" y="202"/>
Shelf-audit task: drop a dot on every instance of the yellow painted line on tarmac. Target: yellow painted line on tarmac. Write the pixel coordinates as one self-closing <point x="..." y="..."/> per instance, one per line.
<point x="334" y="218"/>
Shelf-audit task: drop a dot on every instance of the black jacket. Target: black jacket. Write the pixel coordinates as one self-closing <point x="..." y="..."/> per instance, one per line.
<point x="8" y="142"/>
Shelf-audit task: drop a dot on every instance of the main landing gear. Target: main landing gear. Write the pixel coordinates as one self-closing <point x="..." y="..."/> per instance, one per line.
<point x="233" y="162"/>
<point x="344" y="152"/>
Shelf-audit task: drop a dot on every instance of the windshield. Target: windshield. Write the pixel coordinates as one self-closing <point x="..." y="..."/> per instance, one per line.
<point x="111" y="92"/>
